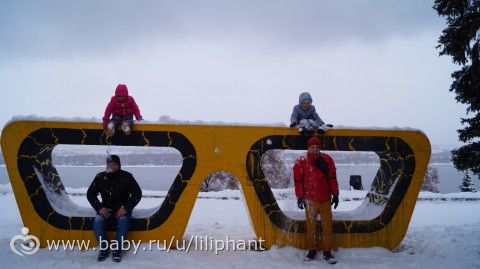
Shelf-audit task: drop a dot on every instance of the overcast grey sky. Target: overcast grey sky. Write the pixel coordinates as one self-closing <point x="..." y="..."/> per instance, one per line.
<point x="366" y="63"/>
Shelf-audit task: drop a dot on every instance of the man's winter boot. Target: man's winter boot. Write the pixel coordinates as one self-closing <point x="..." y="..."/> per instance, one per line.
<point x="117" y="256"/>
<point x="102" y="255"/>
<point x="327" y="255"/>
<point x="311" y="254"/>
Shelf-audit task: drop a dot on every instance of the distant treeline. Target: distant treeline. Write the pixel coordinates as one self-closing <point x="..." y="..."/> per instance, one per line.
<point x="441" y="157"/>
<point x="276" y="165"/>
<point x="176" y="159"/>
<point x="127" y="159"/>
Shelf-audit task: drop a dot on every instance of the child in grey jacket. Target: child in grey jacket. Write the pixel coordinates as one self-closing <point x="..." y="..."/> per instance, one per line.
<point x="305" y="117"/>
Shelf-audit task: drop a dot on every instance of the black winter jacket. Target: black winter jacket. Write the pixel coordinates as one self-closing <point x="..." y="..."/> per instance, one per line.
<point x="116" y="189"/>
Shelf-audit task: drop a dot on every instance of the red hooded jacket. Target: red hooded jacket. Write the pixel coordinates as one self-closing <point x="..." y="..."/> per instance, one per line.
<point x="311" y="183"/>
<point x="121" y="108"/>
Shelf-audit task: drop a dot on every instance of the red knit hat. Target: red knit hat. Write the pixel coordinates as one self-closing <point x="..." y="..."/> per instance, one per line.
<point x="313" y="141"/>
<point x="121" y="90"/>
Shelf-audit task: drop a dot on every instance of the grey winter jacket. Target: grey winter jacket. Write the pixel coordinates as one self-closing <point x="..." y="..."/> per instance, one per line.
<point x="299" y="114"/>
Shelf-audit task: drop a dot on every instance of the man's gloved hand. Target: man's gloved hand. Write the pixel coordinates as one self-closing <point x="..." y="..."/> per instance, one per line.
<point x="293" y="124"/>
<point x="334" y="201"/>
<point x="301" y="203"/>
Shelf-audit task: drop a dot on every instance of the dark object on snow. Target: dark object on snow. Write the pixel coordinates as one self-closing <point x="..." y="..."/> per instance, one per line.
<point x="356" y="182"/>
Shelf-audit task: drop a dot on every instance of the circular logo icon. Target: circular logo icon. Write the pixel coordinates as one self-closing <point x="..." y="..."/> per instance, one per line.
<point x="29" y="244"/>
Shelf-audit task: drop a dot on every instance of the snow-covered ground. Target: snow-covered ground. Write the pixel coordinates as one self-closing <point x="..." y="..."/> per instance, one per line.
<point x="442" y="234"/>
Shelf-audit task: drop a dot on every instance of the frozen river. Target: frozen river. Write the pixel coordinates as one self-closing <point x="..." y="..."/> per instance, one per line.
<point x="161" y="177"/>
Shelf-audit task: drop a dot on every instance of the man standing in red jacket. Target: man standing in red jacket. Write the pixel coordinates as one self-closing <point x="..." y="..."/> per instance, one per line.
<point x="123" y="108"/>
<point x="316" y="188"/>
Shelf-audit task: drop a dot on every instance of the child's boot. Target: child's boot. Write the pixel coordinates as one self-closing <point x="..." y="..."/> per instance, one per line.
<point x="110" y="129"/>
<point x="127" y="129"/>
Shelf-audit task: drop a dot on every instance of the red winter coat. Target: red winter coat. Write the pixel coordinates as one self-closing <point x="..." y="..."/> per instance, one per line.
<point x="121" y="108"/>
<point x="310" y="182"/>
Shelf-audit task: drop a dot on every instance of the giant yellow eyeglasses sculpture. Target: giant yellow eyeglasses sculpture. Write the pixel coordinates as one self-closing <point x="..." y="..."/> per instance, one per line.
<point x="382" y="219"/>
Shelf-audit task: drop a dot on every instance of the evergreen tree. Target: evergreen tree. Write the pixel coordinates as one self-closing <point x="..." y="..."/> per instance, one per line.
<point x="460" y="39"/>
<point x="467" y="184"/>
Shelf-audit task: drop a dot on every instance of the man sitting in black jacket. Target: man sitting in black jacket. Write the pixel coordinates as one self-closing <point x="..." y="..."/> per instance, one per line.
<point x="120" y="194"/>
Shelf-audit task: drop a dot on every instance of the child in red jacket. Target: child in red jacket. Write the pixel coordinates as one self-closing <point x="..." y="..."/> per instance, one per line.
<point x="123" y="108"/>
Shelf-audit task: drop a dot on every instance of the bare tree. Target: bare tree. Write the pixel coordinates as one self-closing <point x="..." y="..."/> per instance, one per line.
<point x="275" y="170"/>
<point x="430" y="182"/>
<point x="219" y="181"/>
